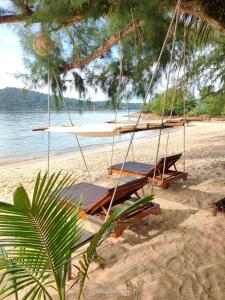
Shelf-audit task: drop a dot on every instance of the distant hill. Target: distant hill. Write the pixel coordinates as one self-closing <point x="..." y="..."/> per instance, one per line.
<point x="14" y="99"/>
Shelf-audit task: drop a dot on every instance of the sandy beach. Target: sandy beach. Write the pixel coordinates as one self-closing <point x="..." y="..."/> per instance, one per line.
<point x="177" y="255"/>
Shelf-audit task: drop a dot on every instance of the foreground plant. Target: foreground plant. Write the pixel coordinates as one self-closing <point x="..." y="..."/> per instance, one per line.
<point x="37" y="239"/>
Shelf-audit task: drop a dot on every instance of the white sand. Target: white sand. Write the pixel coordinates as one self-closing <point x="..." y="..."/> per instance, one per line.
<point x="178" y="255"/>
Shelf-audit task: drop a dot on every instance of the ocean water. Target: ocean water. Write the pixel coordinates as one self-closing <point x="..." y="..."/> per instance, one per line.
<point x="18" y="141"/>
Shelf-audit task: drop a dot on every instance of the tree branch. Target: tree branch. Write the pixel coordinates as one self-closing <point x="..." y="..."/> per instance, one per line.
<point x="11" y="19"/>
<point x="195" y="8"/>
<point x="105" y="47"/>
<point x="16" y="18"/>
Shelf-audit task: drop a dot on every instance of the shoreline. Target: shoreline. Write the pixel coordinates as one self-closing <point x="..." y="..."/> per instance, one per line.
<point x="22" y="161"/>
<point x="176" y="255"/>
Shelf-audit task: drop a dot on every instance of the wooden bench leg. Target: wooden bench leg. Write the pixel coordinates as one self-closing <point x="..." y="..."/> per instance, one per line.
<point x="185" y="177"/>
<point x="118" y="232"/>
<point x="164" y="184"/>
<point x="69" y="275"/>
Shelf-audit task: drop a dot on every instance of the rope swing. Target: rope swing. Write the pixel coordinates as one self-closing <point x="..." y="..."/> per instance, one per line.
<point x="118" y="93"/>
<point x="144" y="102"/>
<point x="165" y="96"/>
<point x="182" y="61"/>
<point x="71" y="122"/>
<point x="43" y="46"/>
<point x="185" y="92"/>
<point x="49" y="115"/>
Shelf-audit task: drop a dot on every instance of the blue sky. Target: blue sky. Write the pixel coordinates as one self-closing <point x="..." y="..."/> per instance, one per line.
<point x="10" y="54"/>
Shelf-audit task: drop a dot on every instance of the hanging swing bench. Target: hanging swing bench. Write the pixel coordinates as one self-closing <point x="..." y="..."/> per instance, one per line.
<point x="165" y="170"/>
<point x="98" y="199"/>
<point x="109" y="129"/>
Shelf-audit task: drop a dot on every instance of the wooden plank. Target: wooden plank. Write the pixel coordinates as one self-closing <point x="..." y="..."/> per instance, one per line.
<point x="140" y="169"/>
<point x="93" y="197"/>
<point x="152" y="209"/>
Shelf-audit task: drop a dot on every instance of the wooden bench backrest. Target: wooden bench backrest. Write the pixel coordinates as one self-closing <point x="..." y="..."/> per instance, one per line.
<point x="170" y="161"/>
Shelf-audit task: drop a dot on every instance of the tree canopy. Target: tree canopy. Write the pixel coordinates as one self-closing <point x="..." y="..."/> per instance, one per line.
<point x="90" y="40"/>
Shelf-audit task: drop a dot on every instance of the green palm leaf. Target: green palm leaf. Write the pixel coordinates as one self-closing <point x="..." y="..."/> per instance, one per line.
<point x="90" y="253"/>
<point x="38" y="237"/>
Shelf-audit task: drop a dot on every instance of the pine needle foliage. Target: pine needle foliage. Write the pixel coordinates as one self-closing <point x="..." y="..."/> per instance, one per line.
<point x="77" y="28"/>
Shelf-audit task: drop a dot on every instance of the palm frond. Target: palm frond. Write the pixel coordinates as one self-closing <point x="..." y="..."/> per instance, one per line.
<point x="38" y="236"/>
<point x="202" y="30"/>
<point x="90" y="253"/>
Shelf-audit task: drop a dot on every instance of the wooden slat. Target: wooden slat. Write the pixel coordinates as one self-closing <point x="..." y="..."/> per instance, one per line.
<point x="150" y="209"/>
<point x="88" y="193"/>
<point x="94" y="196"/>
<point x="144" y="169"/>
<point x="139" y="168"/>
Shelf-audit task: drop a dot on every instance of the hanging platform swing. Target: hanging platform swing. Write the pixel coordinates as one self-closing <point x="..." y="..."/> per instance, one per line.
<point x="109" y="129"/>
<point x="98" y="199"/>
<point x="164" y="170"/>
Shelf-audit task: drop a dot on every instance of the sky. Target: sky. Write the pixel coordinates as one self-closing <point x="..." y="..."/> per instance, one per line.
<point x="10" y="58"/>
<point x="10" y="55"/>
<point x="11" y="61"/>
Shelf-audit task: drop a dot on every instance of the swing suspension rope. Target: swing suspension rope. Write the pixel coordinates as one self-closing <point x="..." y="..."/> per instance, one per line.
<point x="185" y="92"/>
<point x="182" y="62"/>
<point x="118" y="93"/>
<point x="71" y="122"/>
<point x="165" y="97"/>
<point x="128" y="114"/>
<point x="144" y="102"/>
<point x="49" y="116"/>
<point x="117" y="102"/>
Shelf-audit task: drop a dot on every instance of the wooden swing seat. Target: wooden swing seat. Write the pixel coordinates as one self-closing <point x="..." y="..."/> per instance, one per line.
<point x="133" y="168"/>
<point x="94" y="197"/>
<point x="95" y="200"/>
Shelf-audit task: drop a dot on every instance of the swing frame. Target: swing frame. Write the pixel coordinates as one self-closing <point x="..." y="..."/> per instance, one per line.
<point x="175" y="16"/>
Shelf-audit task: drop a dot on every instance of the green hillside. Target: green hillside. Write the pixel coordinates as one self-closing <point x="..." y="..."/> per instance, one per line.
<point x="13" y="99"/>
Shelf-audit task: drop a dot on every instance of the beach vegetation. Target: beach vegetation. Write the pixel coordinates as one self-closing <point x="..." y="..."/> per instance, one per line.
<point x="209" y="102"/>
<point x="38" y="236"/>
<point x="86" y="44"/>
<point x="174" y="101"/>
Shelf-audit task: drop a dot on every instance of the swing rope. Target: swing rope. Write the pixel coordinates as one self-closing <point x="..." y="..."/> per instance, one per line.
<point x="128" y="115"/>
<point x="120" y="83"/>
<point x="117" y="101"/>
<point x="71" y="122"/>
<point x="182" y="62"/>
<point x="165" y="96"/>
<point x="143" y="104"/>
<point x="118" y="93"/>
<point x="127" y="104"/>
<point x="49" y="117"/>
<point x="185" y="94"/>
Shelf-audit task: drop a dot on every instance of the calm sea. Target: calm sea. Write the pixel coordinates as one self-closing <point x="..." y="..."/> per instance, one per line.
<point x="18" y="141"/>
